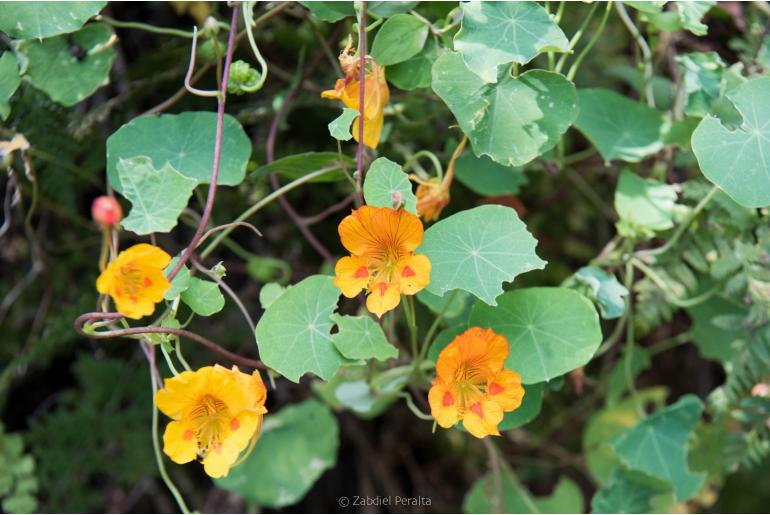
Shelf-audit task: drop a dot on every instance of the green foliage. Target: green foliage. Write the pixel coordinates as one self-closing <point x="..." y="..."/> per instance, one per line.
<point x="67" y="78"/>
<point x="495" y="33"/>
<point x="180" y="140"/>
<point x="645" y="206"/>
<point x="9" y="81"/>
<point x="203" y="297"/>
<point x="533" y="109"/>
<point x="386" y="185"/>
<point x="486" y="177"/>
<point x="37" y="20"/>
<point x="399" y="39"/>
<point x="416" y="71"/>
<point x="294" y="334"/>
<point x="298" y="165"/>
<point x="738" y="161"/>
<point x="157" y="196"/>
<point x="361" y="338"/>
<point x="483" y="497"/>
<point x="339" y="128"/>
<point x="297" y="445"/>
<point x="18" y="484"/>
<point x="543" y="346"/>
<point x="480" y="260"/>
<point x="605" y="289"/>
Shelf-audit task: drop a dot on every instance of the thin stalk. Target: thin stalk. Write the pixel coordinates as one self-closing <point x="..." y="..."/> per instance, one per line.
<point x="434" y="326"/>
<point x="497" y="475"/>
<point x="576" y="38"/>
<point x="168" y="360"/>
<point x="591" y="42"/>
<point x="413" y="407"/>
<point x="643" y="47"/>
<point x="144" y="26"/>
<point x="629" y="283"/>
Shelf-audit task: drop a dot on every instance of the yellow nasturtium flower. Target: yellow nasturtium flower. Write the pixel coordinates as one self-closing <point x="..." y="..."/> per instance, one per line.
<point x="381" y="242"/>
<point x="135" y="280"/>
<point x="376" y="94"/>
<point x="471" y="384"/>
<point x="217" y="413"/>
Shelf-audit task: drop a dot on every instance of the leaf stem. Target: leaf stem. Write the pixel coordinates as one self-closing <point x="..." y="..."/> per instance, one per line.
<point x="591" y="42"/>
<point x="361" y="100"/>
<point x="575" y="37"/>
<point x="645" y="49"/>
<point x="145" y="26"/>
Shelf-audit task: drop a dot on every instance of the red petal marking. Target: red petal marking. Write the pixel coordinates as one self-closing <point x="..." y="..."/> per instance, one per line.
<point x="448" y="400"/>
<point x="234" y="424"/>
<point x="495" y="388"/>
<point x="188" y="435"/>
<point x="147" y="282"/>
<point x="408" y="272"/>
<point x="118" y="292"/>
<point x="361" y="273"/>
<point x="383" y="288"/>
<point x="134" y="299"/>
<point x="476" y="408"/>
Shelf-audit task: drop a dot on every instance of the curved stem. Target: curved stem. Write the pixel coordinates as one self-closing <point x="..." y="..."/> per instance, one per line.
<point x="217" y="152"/>
<point x="248" y="19"/>
<point x="576" y="37"/>
<point x="146" y="27"/>
<point x="591" y="42"/>
<point x="645" y="49"/>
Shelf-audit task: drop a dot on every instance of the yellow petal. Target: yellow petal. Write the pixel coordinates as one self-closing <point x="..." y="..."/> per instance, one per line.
<point x="504" y="388"/>
<point x="243" y="427"/>
<point x="179" y="393"/>
<point x="444" y="404"/>
<point x="134" y="306"/>
<point x="179" y="442"/>
<point x="148" y="255"/>
<point x="482" y="417"/>
<point x="414" y="274"/>
<point x="382" y="297"/>
<point x="351" y="275"/>
<point x="220" y="458"/>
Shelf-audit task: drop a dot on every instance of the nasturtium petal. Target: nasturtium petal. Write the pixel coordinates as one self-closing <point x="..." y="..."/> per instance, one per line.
<point x="157" y="196"/>
<point x="401" y="37"/>
<point x="52" y="68"/>
<point x="619" y="128"/>
<point x="551" y="331"/>
<point x="297" y="444"/>
<point x="203" y="297"/>
<point x="360" y="337"/>
<point x="657" y="446"/>
<point x="513" y="121"/>
<point x="186" y="142"/>
<point x="37" y="20"/>
<point x="294" y="333"/>
<point x="738" y="161"/>
<point x="385" y="182"/>
<point x="495" y="33"/>
<point x="478" y="249"/>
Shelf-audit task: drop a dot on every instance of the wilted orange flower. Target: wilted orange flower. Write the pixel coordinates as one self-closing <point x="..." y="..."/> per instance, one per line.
<point x="376" y="94"/>
<point x="217" y="413"/>
<point x="135" y="280"/>
<point x="381" y="242"/>
<point x="433" y="194"/>
<point x="471" y="384"/>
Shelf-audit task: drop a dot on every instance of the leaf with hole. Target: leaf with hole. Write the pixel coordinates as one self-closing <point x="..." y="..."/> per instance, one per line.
<point x="513" y="121"/>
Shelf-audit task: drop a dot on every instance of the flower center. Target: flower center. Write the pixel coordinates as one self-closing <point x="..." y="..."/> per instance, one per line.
<point x="210" y="418"/>
<point x="131" y="278"/>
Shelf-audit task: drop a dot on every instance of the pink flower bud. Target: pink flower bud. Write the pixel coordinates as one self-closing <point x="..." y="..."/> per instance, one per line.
<point x="760" y="390"/>
<point x="106" y="211"/>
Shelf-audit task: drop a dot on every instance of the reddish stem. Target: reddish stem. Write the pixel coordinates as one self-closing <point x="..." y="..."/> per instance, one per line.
<point x="217" y="151"/>
<point x="361" y="97"/>
<point x="90" y="317"/>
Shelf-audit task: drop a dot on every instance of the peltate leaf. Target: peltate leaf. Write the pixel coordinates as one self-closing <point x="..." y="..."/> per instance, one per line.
<point x="415" y="72"/>
<point x="361" y="338"/>
<point x="294" y="334"/>
<point x="386" y="182"/>
<point x="37" y="20"/>
<point x="551" y="331"/>
<point x="488" y="178"/>
<point x="203" y="297"/>
<point x="469" y="253"/>
<point x="513" y="121"/>
<point x="495" y="33"/>
<point x="400" y="38"/>
<point x="645" y="203"/>
<point x="339" y="128"/>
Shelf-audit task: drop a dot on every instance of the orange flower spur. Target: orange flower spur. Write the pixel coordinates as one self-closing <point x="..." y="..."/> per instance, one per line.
<point x="217" y="413"/>
<point x="135" y="280"/>
<point x="381" y="242"/>
<point x="376" y="94"/>
<point x="471" y="384"/>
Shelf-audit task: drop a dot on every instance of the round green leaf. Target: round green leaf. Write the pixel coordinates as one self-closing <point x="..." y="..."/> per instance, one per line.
<point x="488" y="178"/>
<point x="415" y="72"/>
<point x="361" y="338"/>
<point x="618" y="127"/>
<point x="469" y="252"/>
<point x="513" y="121"/>
<point x="551" y="331"/>
<point x="658" y="446"/>
<point x="294" y="334"/>
<point x="157" y="196"/>
<point x="385" y="182"/>
<point x="739" y="161"/>
<point x="399" y="38"/>
<point x="53" y="68"/>
<point x="495" y="33"/>
<point x="203" y="297"/>
<point x="387" y="8"/>
<point x="339" y="128"/>
<point x="28" y="20"/>
<point x="330" y="11"/>
<point x="645" y="203"/>
<point x="297" y="445"/>
<point x="186" y="142"/>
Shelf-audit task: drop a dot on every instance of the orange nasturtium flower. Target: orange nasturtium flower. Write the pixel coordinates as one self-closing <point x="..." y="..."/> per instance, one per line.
<point x="217" y="413"/>
<point x="433" y="194"/>
<point x="135" y="280"/>
<point x="381" y="242"/>
<point x="471" y="384"/>
<point x="376" y="94"/>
